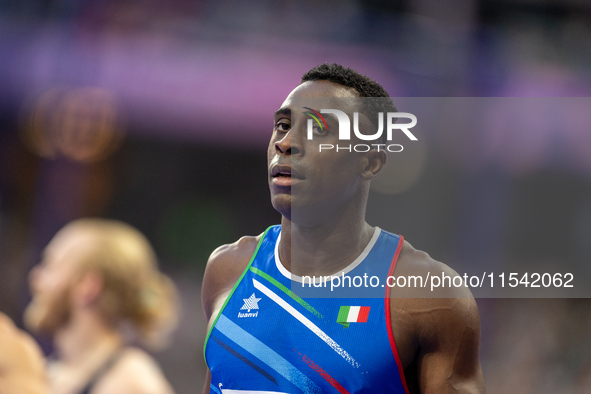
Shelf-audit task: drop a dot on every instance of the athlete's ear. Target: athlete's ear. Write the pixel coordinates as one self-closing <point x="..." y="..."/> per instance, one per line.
<point x="375" y="162"/>
<point x="88" y="288"/>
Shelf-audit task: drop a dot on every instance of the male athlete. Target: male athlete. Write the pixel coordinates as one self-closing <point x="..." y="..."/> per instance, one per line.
<point x="97" y="283"/>
<point x="263" y="337"/>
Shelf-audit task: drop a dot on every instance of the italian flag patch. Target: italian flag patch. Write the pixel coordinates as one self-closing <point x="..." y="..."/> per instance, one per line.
<point x="352" y="314"/>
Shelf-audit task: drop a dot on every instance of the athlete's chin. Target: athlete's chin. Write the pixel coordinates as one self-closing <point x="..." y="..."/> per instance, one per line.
<point x="42" y="319"/>
<point x="35" y="318"/>
<point x="282" y="204"/>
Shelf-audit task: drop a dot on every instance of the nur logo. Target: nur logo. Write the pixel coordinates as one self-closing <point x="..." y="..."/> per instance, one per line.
<point x="250" y="303"/>
<point x="344" y="131"/>
<point x="352" y="314"/>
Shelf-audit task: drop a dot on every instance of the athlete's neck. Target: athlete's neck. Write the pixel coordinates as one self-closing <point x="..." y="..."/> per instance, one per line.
<point x="86" y="337"/>
<point x="323" y="249"/>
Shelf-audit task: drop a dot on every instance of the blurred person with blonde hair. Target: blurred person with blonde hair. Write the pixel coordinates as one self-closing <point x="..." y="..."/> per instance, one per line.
<point x="96" y="290"/>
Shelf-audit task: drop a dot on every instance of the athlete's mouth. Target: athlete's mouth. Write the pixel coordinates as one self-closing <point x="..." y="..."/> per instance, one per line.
<point x="284" y="175"/>
<point x="285" y="171"/>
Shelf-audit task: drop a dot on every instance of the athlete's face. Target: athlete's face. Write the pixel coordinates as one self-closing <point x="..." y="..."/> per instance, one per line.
<point x="51" y="282"/>
<point x="304" y="181"/>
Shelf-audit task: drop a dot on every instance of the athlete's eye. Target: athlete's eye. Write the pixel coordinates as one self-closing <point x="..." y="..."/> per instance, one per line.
<point x="319" y="129"/>
<point x="283" y="125"/>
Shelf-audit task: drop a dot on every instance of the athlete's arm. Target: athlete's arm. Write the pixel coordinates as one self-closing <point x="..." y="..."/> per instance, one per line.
<point x="224" y="268"/>
<point x="22" y="368"/>
<point x="439" y="337"/>
<point x="206" y="389"/>
<point x="447" y="359"/>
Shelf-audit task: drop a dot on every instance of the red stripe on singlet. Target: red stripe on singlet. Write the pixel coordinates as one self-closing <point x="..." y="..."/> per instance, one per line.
<point x="389" y="318"/>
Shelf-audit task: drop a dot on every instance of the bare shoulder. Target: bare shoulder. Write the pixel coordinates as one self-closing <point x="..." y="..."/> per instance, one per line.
<point x="438" y="303"/>
<point x="19" y="349"/>
<point x="224" y="267"/>
<point x="22" y="367"/>
<point x="435" y="323"/>
<point x="136" y="372"/>
<point x="437" y="277"/>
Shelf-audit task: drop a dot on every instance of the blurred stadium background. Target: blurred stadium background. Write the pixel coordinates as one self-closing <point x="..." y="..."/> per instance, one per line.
<point x="158" y="113"/>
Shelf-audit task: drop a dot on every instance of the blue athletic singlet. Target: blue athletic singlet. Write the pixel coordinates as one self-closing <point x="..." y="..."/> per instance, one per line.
<point x="267" y="339"/>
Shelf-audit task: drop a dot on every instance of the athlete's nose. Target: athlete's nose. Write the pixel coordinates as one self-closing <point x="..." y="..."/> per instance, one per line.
<point x="287" y="145"/>
<point x="34" y="276"/>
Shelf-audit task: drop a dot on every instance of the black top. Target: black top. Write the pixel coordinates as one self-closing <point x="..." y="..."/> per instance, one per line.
<point x="101" y="371"/>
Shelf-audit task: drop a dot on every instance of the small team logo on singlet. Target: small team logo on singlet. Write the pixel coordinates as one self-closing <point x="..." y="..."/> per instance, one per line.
<point x="250" y="303"/>
<point x="352" y="314"/>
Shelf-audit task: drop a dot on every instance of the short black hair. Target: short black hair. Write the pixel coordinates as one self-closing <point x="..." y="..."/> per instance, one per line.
<point x="365" y="86"/>
<point x="346" y="76"/>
